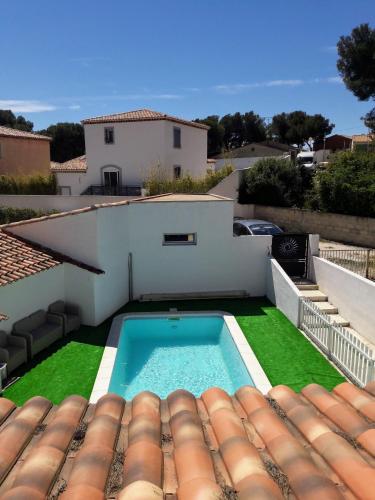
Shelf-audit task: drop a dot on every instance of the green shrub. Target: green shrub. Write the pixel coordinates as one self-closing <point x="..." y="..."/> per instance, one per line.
<point x="275" y="182"/>
<point x="30" y="184"/>
<point x="346" y="185"/>
<point x="9" y="214"/>
<point x="159" y="182"/>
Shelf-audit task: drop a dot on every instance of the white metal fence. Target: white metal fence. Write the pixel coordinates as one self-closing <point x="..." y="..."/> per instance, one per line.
<point x="350" y="354"/>
<point x="360" y="261"/>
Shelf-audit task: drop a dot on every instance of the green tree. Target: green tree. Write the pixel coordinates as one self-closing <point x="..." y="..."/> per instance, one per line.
<point x="272" y="181"/>
<point x="254" y="128"/>
<point x="215" y="134"/>
<point x="298" y="128"/>
<point x="68" y="141"/>
<point x="9" y="119"/>
<point x="369" y="120"/>
<point x="347" y="185"/>
<point x="356" y="65"/>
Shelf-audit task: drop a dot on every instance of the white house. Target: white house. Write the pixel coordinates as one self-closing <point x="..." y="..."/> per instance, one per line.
<point x="122" y="149"/>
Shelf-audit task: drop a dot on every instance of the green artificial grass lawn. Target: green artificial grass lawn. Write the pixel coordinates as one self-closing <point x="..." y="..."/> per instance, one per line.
<point x="70" y="366"/>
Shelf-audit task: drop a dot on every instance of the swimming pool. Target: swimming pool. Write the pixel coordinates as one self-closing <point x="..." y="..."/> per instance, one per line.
<point x="162" y="353"/>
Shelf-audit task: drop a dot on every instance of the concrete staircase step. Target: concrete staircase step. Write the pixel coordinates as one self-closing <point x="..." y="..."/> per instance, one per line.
<point x="339" y="320"/>
<point x="327" y="307"/>
<point x="314" y="295"/>
<point x="304" y="286"/>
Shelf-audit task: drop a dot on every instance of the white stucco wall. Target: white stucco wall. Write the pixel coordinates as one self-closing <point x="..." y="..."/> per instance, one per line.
<point x="282" y="292"/>
<point x="60" y="203"/>
<point x="219" y="262"/>
<point x="104" y="237"/>
<point x="77" y="182"/>
<point x="79" y="287"/>
<point x="72" y="235"/>
<point x="25" y="296"/>
<point x="352" y="294"/>
<point x="112" y="288"/>
<point x="139" y="146"/>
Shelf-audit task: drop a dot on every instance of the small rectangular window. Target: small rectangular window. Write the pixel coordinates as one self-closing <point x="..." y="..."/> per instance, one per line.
<point x="65" y="190"/>
<point x="176" y="137"/>
<point x="177" y="171"/>
<point x="109" y="135"/>
<point x="180" y="239"/>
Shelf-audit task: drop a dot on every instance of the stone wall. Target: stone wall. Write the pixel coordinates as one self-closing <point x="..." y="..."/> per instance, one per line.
<point x="336" y="227"/>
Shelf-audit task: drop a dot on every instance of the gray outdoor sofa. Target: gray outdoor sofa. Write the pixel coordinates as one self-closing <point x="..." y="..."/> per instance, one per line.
<point x="69" y="313"/>
<point x="13" y="351"/>
<point x="40" y="330"/>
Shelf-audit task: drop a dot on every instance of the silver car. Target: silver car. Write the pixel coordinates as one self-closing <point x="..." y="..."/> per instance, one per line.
<point x="254" y="227"/>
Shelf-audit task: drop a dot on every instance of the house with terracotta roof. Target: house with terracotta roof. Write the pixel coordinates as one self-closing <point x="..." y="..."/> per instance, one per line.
<point x="123" y="149"/>
<point x="363" y="142"/>
<point x="23" y="153"/>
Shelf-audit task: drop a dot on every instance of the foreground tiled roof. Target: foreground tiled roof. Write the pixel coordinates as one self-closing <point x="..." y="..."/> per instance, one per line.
<point x="317" y="445"/>
<point x="13" y="132"/>
<point x="20" y="258"/>
<point x="75" y="165"/>
<point x="141" y="115"/>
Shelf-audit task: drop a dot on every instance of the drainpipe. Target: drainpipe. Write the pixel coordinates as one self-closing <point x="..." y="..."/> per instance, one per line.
<point x="130" y="276"/>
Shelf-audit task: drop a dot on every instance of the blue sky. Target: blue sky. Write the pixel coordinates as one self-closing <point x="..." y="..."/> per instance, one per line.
<point x="68" y="60"/>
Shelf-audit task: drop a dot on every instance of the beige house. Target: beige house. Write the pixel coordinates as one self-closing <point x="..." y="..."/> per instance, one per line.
<point x="23" y="153"/>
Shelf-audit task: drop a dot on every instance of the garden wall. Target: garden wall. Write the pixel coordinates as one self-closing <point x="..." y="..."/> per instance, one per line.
<point x="60" y="203"/>
<point x="336" y="227"/>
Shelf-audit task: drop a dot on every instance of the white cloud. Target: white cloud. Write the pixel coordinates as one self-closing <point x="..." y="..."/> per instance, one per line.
<point x="334" y="79"/>
<point x="74" y="106"/>
<point x="24" y="106"/>
<point x="332" y="49"/>
<point x="281" y="83"/>
<point x="236" y="88"/>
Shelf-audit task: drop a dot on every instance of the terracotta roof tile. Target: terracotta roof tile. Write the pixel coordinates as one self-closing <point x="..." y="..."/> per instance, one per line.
<point x="284" y="445"/>
<point x="20" y="258"/>
<point x="141" y="115"/>
<point x="78" y="164"/>
<point x="13" y="132"/>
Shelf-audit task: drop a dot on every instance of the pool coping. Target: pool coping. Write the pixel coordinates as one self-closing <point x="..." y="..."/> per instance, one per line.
<point x="251" y="362"/>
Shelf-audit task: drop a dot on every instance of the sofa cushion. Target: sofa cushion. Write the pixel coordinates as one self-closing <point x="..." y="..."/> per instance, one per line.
<point x="35" y="320"/>
<point x="57" y="307"/>
<point x="3" y="339"/>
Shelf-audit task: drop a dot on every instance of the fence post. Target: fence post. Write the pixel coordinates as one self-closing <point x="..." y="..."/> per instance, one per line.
<point x="371" y="372"/>
<point x="367" y="263"/>
<point x="330" y="340"/>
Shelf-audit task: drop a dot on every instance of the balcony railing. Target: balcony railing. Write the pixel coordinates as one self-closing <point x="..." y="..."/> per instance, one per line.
<point x="360" y="261"/>
<point x="99" y="190"/>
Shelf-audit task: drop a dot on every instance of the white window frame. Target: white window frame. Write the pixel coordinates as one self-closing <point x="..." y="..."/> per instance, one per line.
<point x="191" y="239"/>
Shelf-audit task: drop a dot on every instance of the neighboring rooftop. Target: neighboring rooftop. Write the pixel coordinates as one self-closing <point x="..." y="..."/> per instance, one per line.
<point x="78" y="165"/>
<point x="314" y="445"/>
<point x="257" y="149"/>
<point x="363" y="138"/>
<point x="141" y="115"/>
<point x="20" y="258"/>
<point x="13" y="132"/>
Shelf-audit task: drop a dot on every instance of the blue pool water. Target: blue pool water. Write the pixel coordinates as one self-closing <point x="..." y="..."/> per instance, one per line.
<point x="162" y="354"/>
